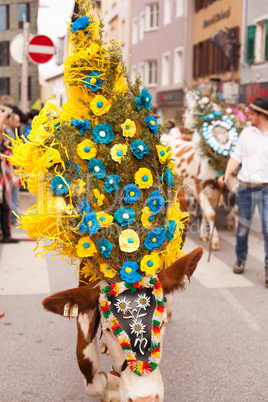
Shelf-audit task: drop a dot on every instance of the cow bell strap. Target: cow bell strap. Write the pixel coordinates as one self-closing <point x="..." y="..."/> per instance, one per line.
<point x="116" y="373"/>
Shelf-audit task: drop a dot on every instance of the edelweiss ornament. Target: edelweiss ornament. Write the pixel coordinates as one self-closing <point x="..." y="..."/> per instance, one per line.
<point x="135" y="312"/>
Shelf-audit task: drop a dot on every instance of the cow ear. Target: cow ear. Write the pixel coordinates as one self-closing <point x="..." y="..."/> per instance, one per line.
<point x="173" y="277"/>
<point x="85" y="297"/>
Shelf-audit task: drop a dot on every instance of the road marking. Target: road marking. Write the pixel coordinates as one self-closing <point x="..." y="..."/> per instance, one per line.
<point x="255" y="245"/>
<point x="215" y="274"/>
<point x="20" y="273"/>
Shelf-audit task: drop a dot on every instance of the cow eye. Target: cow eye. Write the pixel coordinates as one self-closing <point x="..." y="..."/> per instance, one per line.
<point x="107" y="329"/>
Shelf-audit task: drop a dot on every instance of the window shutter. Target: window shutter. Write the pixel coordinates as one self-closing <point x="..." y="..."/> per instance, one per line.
<point x="251" y="44"/>
<point x="266" y="40"/>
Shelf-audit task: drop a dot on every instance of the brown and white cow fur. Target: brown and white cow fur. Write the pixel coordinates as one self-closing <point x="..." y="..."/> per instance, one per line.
<point x="118" y="385"/>
<point x="201" y="181"/>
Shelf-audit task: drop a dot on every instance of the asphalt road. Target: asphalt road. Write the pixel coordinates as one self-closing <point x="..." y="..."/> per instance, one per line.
<point x="215" y="346"/>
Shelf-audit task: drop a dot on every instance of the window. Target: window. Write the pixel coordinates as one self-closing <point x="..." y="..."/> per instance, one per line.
<point x="257" y="42"/>
<point x="151" y="73"/>
<point x="134" y="31"/>
<point x="167" y="11"/>
<point x="133" y="73"/>
<point x="152" y="16"/>
<point x="142" y="25"/>
<point x="165" y="80"/>
<point x="23" y="13"/>
<point x="199" y="4"/>
<point x="4" y="17"/>
<point x="179" y="8"/>
<point x="209" y="59"/>
<point x="178" y="66"/>
<point x="4" y="86"/>
<point x="4" y="53"/>
<point x="113" y="25"/>
<point x="141" y="71"/>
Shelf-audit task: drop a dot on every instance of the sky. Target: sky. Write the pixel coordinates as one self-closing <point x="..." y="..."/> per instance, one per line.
<point x="53" y="16"/>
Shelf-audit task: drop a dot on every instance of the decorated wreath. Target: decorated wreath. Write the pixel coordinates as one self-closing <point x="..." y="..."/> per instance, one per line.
<point x="106" y="196"/>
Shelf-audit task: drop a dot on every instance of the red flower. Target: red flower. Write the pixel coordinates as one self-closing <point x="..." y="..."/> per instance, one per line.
<point x="161" y="309"/>
<point x="147" y="368"/>
<point x="113" y="290"/>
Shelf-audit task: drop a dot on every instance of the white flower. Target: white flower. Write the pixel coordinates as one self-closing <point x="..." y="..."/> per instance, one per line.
<point x="205" y="100"/>
<point x="122" y="305"/>
<point x="143" y="301"/>
<point x="229" y="110"/>
<point x="137" y="327"/>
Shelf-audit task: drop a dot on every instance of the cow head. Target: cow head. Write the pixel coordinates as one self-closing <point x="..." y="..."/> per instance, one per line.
<point x="132" y="320"/>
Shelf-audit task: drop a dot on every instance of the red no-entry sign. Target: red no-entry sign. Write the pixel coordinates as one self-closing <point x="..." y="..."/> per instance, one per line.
<point x="41" y="49"/>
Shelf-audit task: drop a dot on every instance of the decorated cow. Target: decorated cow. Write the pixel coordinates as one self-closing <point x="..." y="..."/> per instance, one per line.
<point x="215" y="128"/>
<point x="107" y="200"/>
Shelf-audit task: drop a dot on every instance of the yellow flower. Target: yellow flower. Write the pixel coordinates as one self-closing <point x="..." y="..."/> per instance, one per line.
<point x="144" y="178"/>
<point x="147" y="217"/>
<point x="120" y="85"/>
<point x="85" y="247"/>
<point x="86" y="149"/>
<point x="118" y="151"/>
<point x="174" y="213"/>
<point x="129" y="128"/>
<point x="51" y="156"/>
<point x="105" y="220"/>
<point x="100" y="105"/>
<point x="107" y="270"/>
<point x="129" y="241"/>
<point x="163" y="153"/>
<point x="150" y="264"/>
<point x="97" y="197"/>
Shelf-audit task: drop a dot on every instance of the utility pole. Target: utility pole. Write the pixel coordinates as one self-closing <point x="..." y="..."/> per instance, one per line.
<point x="24" y="68"/>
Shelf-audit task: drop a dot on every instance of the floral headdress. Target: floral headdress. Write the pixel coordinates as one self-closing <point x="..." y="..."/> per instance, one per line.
<point x="104" y="182"/>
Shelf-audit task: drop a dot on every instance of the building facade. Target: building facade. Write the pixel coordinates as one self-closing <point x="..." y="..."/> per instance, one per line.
<point x="117" y="24"/>
<point x="254" y="54"/>
<point x="161" y="51"/>
<point x="12" y="13"/>
<point x="217" y="39"/>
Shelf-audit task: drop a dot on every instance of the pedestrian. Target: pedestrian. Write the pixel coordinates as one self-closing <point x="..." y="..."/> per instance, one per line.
<point x="251" y="152"/>
<point x="6" y="175"/>
<point x="173" y="128"/>
<point x="28" y="127"/>
<point x="11" y="127"/>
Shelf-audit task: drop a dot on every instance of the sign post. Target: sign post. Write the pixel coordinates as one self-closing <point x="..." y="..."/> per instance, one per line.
<point x="40" y="49"/>
<point x="24" y="68"/>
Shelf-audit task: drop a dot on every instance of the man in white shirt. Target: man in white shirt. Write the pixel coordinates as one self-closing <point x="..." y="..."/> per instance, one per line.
<point x="251" y="152"/>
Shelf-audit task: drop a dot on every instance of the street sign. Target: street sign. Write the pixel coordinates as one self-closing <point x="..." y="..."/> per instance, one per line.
<point x="41" y="49"/>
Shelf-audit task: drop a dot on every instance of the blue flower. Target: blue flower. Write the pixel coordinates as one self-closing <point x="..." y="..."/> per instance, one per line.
<point x="84" y="207"/>
<point x="92" y="82"/>
<point x="152" y="124"/>
<point x="132" y="193"/>
<point x="60" y="185"/>
<point x="80" y="23"/>
<point x="209" y="116"/>
<point x="105" y="247"/>
<point x="129" y="272"/>
<point x="155" y="202"/>
<point x="89" y="224"/>
<point x="144" y="100"/>
<point x="103" y="133"/>
<point x="125" y="216"/>
<point x="170" y="230"/>
<point x="139" y="149"/>
<point x="112" y="183"/>
<point x="97" y="168"/>
<point x="168" y="177"/>
<point x="82" y="125"/>
<point x="154" y="239"/>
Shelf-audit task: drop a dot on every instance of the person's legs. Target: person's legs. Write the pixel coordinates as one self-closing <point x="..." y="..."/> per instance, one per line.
<point x="263" y="210"/>
<point x="15" y="193"/>
<point x="245" y="213"/>
<point x="4" y="217"/>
